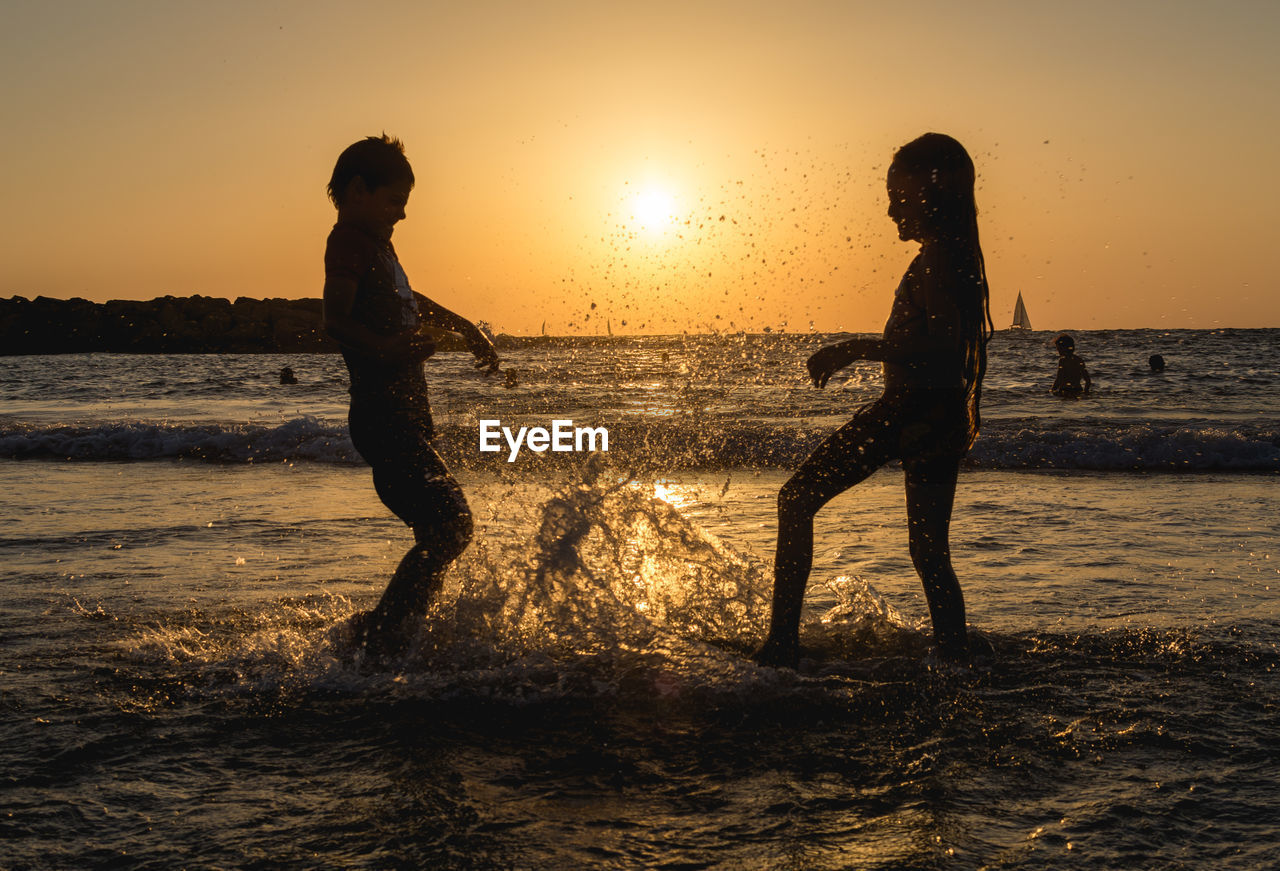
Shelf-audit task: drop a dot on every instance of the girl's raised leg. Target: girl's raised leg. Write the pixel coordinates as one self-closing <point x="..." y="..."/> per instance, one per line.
<point x="847" y="457"/>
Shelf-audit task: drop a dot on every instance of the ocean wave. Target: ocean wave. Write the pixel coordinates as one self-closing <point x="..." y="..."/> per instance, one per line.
<point x="304" y="438"/>
<point x="1147" y="446"/>
<point x="690" y="443"/>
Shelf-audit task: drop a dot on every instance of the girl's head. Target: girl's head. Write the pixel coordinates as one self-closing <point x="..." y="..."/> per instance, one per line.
<point x="931" y="190"/>
<point x="931" y="200"/>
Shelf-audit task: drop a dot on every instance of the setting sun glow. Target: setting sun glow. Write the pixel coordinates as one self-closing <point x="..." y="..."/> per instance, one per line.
<point x="653" y="210"/>
<point x="702" y="163"/>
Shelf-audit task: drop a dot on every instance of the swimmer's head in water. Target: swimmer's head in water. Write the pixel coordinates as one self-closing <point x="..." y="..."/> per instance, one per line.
<point x="1156" y="362"/>
<point x="931" y="184"/>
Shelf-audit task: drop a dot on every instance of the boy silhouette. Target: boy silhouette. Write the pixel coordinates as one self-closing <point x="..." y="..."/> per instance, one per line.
<point x="377" y="320"/>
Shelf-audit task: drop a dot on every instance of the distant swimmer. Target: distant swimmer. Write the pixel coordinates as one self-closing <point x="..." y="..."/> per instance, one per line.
<point x="287" y="376"/>
<point x="378" y="320"/>
<point x="1072" y="380"/>
<point x="1156" y="362"/>
<point x="934" y="354"/>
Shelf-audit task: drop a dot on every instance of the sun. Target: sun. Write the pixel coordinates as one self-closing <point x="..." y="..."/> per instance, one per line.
<point x="653" y="210"/>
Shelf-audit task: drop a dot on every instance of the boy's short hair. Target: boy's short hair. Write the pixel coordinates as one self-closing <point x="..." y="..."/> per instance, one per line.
<point x="1065" y="341"/>
<point x="379" y="160"/>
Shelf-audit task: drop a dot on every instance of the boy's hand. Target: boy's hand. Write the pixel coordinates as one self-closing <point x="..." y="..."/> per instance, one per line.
<point x="421" y="346"/>
<point x="411" y="346"/>
<point x="485" y="354"/>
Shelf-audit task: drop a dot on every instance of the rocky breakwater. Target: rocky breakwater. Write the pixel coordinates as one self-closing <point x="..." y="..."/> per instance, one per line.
<point x="167" y="325"/>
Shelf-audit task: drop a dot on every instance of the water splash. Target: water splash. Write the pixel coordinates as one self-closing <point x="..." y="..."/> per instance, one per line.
<point x="862" y="623"/>
<point x="613" y="564"/>
<point x="602" y="589"/>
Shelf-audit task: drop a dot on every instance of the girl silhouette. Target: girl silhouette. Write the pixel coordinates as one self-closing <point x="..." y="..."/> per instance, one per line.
<point x="934" y="352"/>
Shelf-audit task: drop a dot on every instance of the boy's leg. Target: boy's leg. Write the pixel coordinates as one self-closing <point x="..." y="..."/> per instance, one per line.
<point x="442" y="526"/>
<point x="412" y="480"/>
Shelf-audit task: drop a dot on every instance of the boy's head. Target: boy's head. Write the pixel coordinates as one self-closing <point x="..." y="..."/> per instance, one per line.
<point x="377" y="161"/>
<point x="1065" y="344"/>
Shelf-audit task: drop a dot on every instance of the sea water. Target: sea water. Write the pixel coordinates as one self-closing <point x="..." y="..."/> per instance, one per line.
<point x="182" y="539"/>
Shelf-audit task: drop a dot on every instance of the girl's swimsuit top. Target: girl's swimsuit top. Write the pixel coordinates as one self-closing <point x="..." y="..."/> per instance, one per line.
<point x="909" y="319"/>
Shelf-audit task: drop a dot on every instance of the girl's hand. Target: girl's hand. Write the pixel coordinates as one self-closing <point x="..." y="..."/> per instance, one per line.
<point x="824" y="364"/>
<point x="827" y="361"/>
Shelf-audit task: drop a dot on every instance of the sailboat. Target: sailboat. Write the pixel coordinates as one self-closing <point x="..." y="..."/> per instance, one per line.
<point x="1020" y="319"/>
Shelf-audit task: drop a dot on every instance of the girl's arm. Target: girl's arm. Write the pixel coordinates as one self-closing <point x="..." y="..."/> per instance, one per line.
<point x="939" y="341"/>
<point x="831" y="359"/>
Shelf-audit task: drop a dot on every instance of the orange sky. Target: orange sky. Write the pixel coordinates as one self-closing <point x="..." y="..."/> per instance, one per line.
<point x="1125" y="154"/>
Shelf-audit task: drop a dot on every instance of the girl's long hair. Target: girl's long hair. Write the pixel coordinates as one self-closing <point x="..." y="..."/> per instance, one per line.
<point x="943" y="173"/>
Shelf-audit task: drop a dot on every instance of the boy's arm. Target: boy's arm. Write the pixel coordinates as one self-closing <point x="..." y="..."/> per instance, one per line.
<point x="436" y="315"/>
<point x="1084" y="373"/>
<point x="339" y="299"/>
